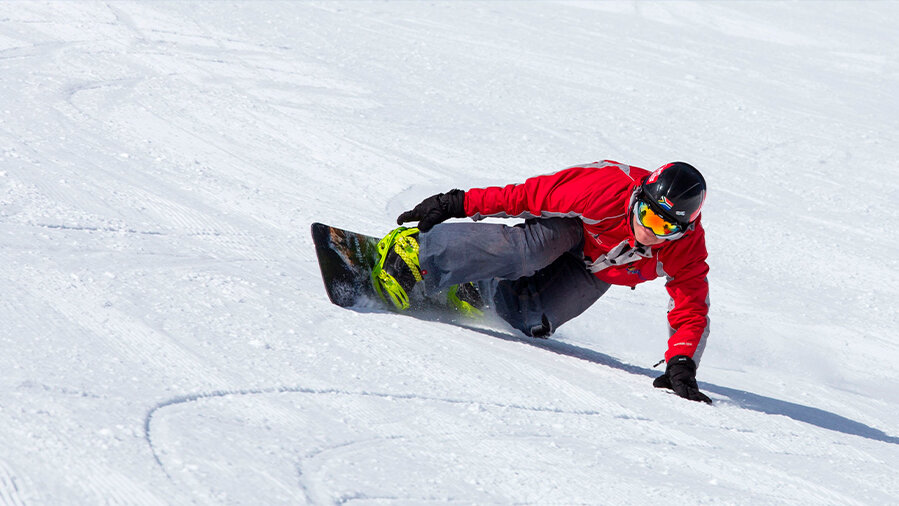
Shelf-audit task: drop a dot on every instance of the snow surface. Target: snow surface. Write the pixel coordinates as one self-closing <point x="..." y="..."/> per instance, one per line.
<point x="166" y="338"/>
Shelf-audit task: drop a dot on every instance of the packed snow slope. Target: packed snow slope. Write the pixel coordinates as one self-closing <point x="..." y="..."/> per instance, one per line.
<point x="166" y="338"/>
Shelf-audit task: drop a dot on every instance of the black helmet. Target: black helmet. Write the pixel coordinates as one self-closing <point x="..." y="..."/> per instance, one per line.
<point x="676" y="191"/>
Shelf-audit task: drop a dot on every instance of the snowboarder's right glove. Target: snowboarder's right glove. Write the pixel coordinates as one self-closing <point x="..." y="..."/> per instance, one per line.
<point x="680" y="376"/>
<point x="436" y="209"/>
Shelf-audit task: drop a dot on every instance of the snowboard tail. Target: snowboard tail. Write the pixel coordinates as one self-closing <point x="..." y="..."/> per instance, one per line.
<point x="345" y="259"/>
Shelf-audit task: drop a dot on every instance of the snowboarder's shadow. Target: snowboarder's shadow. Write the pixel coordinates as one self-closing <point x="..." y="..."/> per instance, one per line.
<point x="748" y="400"/>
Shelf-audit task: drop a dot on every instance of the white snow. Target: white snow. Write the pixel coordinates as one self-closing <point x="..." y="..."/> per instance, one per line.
<point x="165" y="337"/>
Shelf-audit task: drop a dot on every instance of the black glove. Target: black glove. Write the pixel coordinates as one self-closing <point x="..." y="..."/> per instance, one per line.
<point x="680" y="376"/>
<point x="435" y="209"/>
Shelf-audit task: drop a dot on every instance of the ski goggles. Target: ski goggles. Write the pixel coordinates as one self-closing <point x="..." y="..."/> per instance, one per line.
<point x="659" y="226"/>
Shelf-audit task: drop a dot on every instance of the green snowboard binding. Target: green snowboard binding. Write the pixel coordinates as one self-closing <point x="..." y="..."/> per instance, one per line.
<point x="397" y="269"/>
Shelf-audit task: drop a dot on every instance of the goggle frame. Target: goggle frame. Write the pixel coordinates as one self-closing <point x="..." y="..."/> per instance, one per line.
<point x="678" y="229"/>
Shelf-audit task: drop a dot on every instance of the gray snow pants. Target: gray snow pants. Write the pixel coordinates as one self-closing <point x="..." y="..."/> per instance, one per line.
<point x="533" y="273"/>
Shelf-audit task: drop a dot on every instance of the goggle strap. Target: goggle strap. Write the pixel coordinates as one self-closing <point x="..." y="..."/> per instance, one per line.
<point x="656" y="208"/>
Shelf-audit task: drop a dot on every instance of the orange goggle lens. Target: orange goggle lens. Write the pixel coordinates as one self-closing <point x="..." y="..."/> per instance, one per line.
<point x="659" y="226"/>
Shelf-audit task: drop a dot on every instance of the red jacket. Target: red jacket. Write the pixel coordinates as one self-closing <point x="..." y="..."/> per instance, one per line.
<point x="600" y="195"/>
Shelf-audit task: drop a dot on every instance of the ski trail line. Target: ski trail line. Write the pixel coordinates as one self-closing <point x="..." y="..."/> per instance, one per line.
<point x="184" y="399"/>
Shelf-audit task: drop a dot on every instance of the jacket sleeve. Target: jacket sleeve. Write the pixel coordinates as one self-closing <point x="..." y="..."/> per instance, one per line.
<point x="688" y="286"/>
<point x="565" y="193"/>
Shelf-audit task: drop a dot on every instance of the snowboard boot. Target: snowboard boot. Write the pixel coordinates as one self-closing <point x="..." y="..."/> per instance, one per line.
<point x="397" y="269"/>
<point x="466" y="299"/>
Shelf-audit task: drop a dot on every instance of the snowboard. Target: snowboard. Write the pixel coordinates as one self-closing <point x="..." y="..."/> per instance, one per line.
<point x="346" y="260"/>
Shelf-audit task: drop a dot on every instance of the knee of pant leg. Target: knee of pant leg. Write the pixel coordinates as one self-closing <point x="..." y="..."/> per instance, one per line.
<point x="541" y="241"/>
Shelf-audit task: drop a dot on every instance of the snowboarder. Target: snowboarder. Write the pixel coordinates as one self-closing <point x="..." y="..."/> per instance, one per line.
<point x="586" y="228"/>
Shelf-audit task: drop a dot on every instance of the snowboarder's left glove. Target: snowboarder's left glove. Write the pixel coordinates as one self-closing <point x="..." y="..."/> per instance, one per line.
<point x="436" y="209"/>
<point x="680" y="376"/>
